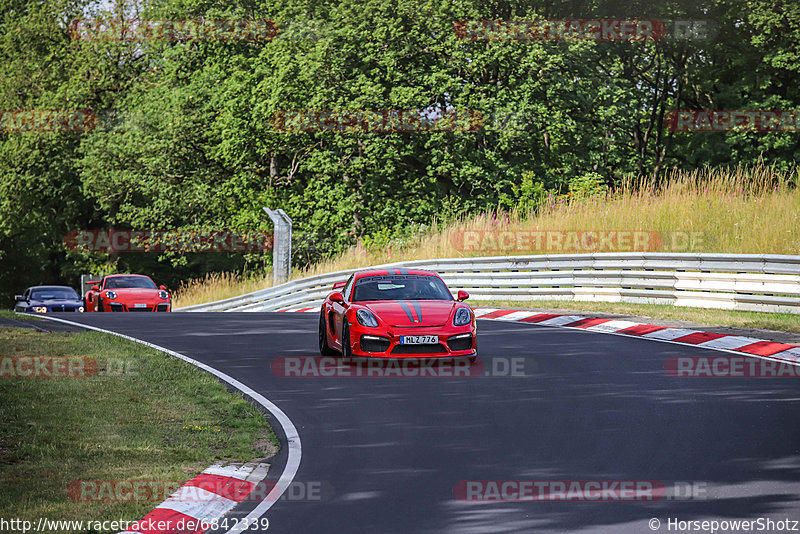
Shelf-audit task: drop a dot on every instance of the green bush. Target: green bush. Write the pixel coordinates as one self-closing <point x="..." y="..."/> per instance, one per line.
<point x="586" y="186"/>
<point x="529" y="194"/>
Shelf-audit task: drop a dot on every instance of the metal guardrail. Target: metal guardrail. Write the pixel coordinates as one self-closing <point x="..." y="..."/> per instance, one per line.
<point x="750" y="282"/>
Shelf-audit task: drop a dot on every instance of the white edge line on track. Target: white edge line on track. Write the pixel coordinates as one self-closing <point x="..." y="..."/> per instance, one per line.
<point x="292" y="437"/>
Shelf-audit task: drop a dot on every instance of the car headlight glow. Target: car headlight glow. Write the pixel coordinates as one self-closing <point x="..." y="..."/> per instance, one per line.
<point x="111" y="295"/>
<point x="80" y="309"/>
<point x="462" y="317"/>
<point x="366" y="318"/>
<point x="163" y="294"/>
<point x="40" y="309"/>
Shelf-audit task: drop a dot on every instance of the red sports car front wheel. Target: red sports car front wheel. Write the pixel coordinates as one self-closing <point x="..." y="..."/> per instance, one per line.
<point x="347" y="348"/>
<point x="324" y="349"/>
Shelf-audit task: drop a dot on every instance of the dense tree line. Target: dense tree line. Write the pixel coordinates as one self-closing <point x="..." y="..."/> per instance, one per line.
<point x="185" y="135"/>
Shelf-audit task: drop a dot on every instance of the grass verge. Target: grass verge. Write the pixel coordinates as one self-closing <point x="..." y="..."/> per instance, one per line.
<point x="782" y="322"/>
<point x="142" y="416"/>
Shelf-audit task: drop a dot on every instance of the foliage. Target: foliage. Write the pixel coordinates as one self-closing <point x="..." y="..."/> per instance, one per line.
<point x="189" y="140"/>
<point x="587" y="186"/>
<point x="528" y="195"/>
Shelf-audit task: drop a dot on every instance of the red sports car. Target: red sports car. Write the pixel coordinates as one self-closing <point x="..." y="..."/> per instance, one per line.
<point x="396" y="313"/>
<point x="127" y="293"/>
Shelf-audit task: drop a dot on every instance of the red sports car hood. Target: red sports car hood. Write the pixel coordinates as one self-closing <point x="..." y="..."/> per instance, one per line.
<point x="412" y="312"/>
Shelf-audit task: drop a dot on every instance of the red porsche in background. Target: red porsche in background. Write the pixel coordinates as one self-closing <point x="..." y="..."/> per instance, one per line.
<point x="127" y="293"/>
<point x="396" y="313"/>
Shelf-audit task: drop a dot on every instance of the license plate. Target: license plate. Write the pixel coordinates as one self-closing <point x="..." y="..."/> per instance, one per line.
<point x="419" y="340"/>
<point x="140" y="305"/>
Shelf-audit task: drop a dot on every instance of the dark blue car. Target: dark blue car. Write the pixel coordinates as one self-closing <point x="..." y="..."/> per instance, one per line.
<point x="45" y="299"/>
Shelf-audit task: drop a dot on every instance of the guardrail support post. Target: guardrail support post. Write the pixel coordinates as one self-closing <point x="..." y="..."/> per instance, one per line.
<point x="281" y="245"/>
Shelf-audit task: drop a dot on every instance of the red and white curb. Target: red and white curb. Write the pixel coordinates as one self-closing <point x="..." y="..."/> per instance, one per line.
<point x="201" y="502"/>
<point x="682" y="336"/>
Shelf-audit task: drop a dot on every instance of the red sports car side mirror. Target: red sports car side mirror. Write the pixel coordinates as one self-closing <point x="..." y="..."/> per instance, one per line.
<point x="163" y="288"/>
<point x="95" y="288"/>
<point x="337" y="297"/>
<point x="337" y="285"/>
<point x="462" y="296"/>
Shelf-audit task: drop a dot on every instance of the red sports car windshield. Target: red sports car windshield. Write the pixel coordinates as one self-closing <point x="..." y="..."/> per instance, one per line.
<point x="400" y="287"/>
<point x="122" y="282"/>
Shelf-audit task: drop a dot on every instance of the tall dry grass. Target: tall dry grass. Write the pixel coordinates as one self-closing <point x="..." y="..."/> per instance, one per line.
<point x="217" y="286"/>
<point x="732" y="210"/>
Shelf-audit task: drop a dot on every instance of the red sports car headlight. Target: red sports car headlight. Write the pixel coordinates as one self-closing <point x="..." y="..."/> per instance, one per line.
<point x="462" y="317"/>
<point x="366" y="318"/>
<point x="163" y="295"/>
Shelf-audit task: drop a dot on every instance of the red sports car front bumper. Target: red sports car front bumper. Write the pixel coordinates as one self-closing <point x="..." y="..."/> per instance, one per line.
<point x="153" y="306"/>
<point x="377" y="342"/>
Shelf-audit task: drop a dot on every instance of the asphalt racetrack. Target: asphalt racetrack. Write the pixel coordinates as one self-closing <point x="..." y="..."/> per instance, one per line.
<point x="384" y="454"/>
